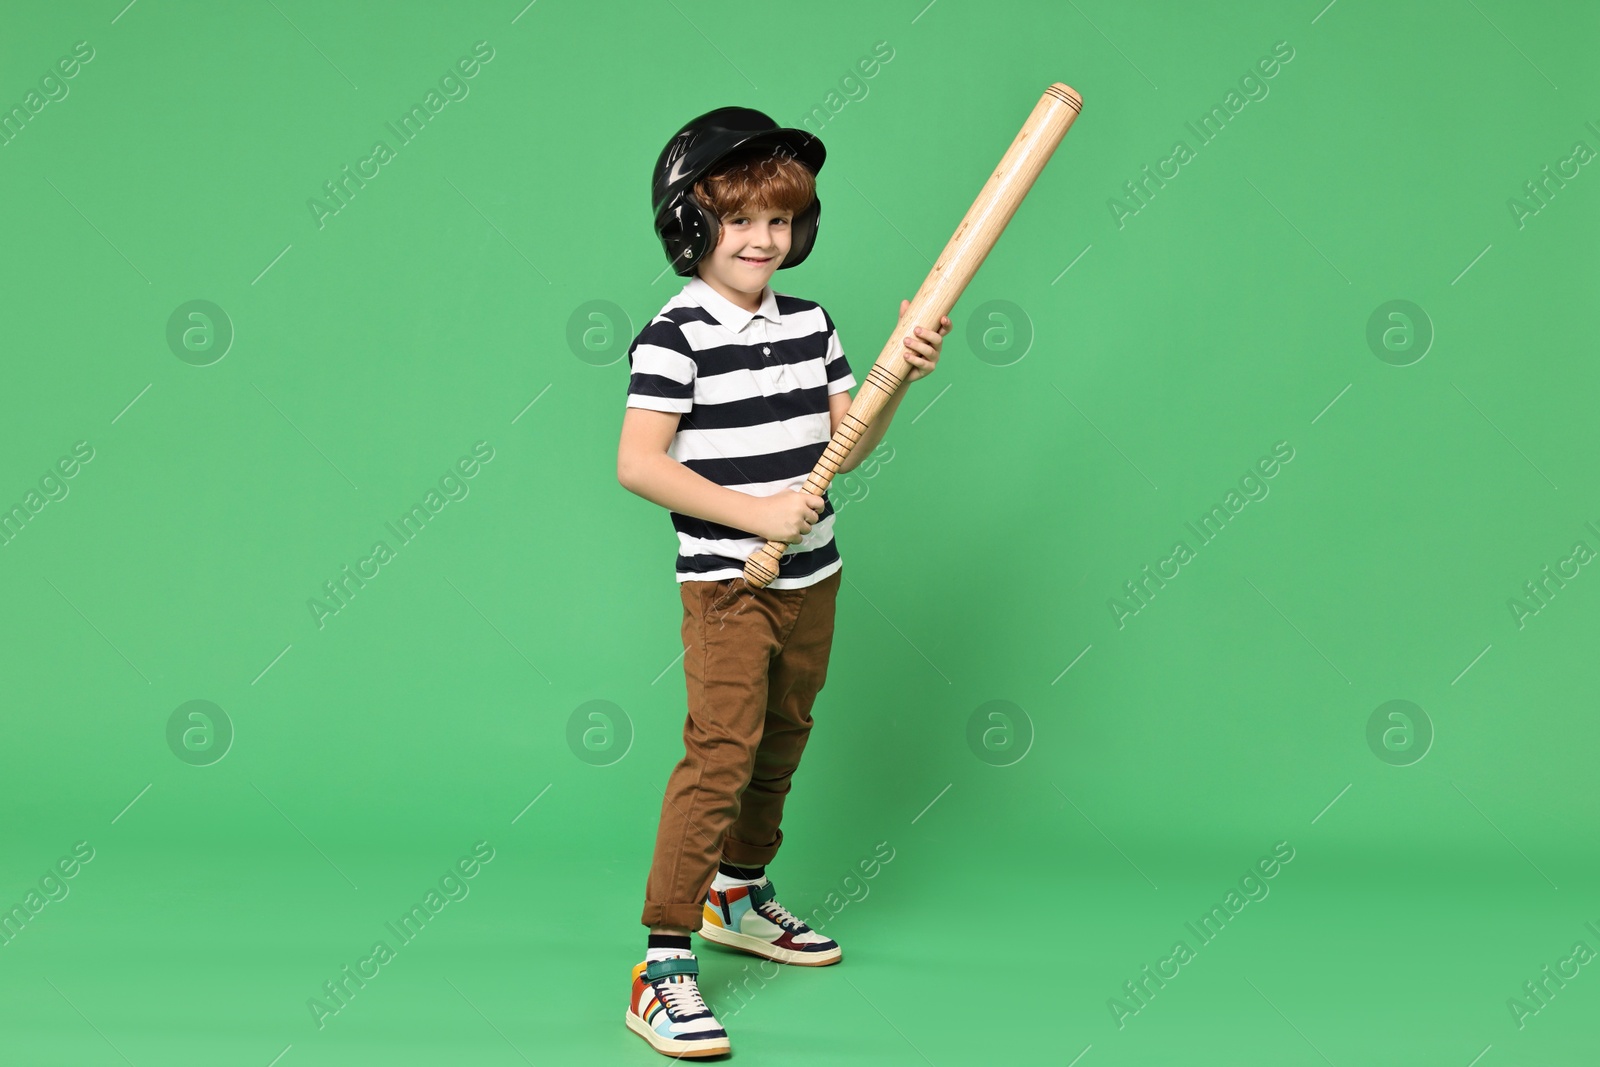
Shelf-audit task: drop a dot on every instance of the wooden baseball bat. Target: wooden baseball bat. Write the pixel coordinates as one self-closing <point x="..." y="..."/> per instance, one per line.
<point x="1049" y="121"/>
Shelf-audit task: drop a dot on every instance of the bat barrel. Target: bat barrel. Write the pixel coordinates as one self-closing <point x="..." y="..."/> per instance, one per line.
<point x="965" y="252"/>
<point x="999" y="199"/>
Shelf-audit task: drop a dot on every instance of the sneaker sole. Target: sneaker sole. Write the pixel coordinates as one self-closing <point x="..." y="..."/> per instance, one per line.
<point x="757" y="947"/>
<point x="690" y="1050"/>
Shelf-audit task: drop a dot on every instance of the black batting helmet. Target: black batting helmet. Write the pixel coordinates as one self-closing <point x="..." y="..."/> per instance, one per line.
<point x="687" y="230"/>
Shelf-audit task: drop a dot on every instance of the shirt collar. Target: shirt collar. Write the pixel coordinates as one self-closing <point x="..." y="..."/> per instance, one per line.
<point x="727" y="313"/>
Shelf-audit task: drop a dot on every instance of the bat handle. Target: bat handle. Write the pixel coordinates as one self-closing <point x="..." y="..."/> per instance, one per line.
<point x="883" y="380"/>
<point x="762" y="567"/>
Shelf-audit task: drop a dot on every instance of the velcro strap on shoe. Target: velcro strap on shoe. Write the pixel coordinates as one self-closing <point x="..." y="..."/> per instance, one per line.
<point x="670" y="966"/>
<point x="760" y="894"/>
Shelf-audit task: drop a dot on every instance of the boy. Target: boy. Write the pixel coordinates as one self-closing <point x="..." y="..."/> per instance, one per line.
<point x="734" y="392"/>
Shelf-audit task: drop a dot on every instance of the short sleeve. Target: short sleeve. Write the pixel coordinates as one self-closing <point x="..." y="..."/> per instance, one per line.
<point x="660" y="369"/>
<point x="840" y="377"/>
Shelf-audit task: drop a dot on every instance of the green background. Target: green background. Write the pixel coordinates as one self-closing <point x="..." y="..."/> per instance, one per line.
<point x="1105" y="406"/>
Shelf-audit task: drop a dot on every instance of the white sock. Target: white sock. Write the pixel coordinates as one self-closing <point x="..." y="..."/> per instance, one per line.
<point x="653" y="954"/>
<point x="723" y="881"/>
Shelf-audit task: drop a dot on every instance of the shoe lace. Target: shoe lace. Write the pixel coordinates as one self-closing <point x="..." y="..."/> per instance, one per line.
<point x="781" y="915"/>
<point x="682" y="996"/>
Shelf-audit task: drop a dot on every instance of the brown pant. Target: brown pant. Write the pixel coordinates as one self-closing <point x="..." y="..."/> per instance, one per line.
<point x="754" y="660"/>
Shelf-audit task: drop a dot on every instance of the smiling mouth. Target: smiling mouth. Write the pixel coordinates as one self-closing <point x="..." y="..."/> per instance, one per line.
<point x="755" y="262"/>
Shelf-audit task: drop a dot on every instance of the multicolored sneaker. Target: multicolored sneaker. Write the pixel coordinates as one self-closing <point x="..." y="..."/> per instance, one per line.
<point x="667" y="1011"/>
<point x="746" y="917"/>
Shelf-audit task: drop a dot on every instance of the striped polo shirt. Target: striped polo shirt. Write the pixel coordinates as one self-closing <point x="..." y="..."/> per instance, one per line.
<point x="752" y="389"/>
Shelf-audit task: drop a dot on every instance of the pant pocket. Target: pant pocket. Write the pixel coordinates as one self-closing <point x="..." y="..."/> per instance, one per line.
<point x="724" y="600"/>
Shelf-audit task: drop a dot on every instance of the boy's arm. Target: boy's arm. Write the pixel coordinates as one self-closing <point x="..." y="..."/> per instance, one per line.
<point x="645" y="469"/>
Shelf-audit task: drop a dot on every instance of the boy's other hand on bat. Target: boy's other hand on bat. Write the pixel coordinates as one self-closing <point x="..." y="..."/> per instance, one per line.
<point x="922" y="346"/>
<point x="786" y="516"/>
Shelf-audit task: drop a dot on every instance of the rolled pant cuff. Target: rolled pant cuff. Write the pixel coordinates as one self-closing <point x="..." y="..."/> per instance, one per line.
<point x="683" y="916"/>
<point x="740" y="854"/>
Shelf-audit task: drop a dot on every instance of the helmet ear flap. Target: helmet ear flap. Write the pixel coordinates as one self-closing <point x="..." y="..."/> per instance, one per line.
<point x="713" y="230"/>
<point x="803" y="234"/>
<point x="688" y="231"/>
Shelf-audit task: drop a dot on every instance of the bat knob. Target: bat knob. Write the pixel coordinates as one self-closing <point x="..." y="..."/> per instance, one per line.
<point x="761" y="568"/>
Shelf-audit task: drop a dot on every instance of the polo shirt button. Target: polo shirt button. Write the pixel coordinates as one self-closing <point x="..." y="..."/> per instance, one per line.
<point x="766" y="351"/>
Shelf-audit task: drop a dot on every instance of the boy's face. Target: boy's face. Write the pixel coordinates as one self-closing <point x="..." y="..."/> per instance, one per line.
<point x="750" y="245"/>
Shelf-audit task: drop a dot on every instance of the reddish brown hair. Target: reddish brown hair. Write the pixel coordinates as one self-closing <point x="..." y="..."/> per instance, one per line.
<point x="768" y="178"/>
